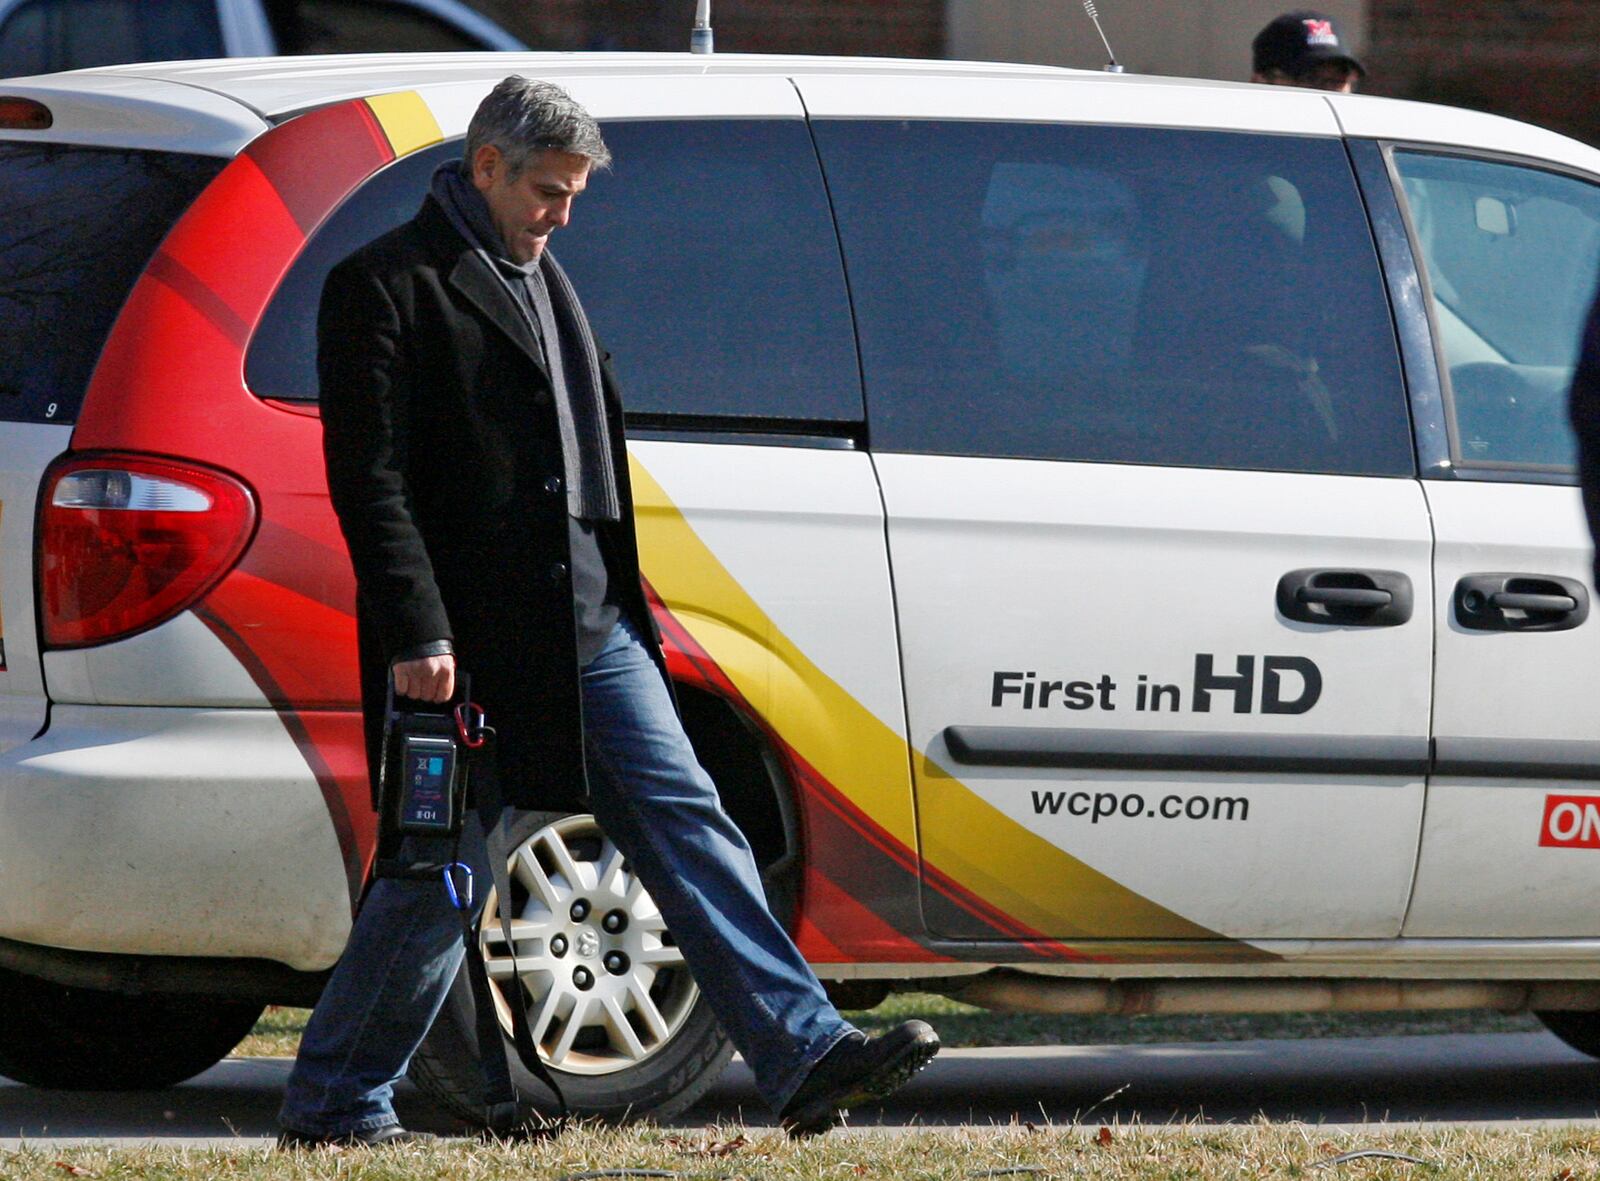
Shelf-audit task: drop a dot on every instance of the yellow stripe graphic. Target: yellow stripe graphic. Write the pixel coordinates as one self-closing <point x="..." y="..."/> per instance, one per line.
<point x="830" y="729"/>
<point x="1019" y="872"/>
<point x="987" y="852"/>
<point x="406" y="120"/>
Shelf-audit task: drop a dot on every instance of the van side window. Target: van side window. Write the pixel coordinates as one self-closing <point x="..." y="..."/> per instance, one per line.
<point x="1510" y="255"/>
<point x="282" y="359"/>
<point x="709" y="264"/>
<point x="1119" y="295"/>
<point x="706" y="260"/>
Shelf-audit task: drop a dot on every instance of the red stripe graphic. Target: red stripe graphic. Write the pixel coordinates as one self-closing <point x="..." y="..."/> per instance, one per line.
<point x="286" y="613"/>
<point x="332" y="150"/>
<point x="188" y="287"/>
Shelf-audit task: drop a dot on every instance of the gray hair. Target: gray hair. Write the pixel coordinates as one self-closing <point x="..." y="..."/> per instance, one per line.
<point x="523" y="117"/>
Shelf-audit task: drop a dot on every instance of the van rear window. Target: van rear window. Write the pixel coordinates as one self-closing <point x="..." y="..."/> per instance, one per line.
<point x="79" y="226"/>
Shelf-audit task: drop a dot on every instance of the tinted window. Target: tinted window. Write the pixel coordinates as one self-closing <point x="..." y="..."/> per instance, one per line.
<point x="282" y="359"/>
<point x="1129" y="295"/>
<point x="45" y="35"/>
<point x="1511" y="255"/>
<point x="79" y="226"/>
<point x="706" y="260"/>
<point x="709" y="264"/>
<point x="360" y="26"/>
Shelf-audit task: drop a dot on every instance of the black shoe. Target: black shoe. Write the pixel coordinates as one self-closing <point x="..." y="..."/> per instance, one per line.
<point x="290" y="1140"/>
<point x="858" y="1070"/>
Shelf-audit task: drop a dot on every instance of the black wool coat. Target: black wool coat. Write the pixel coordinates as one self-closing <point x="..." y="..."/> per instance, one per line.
<point x="444" y="467"/>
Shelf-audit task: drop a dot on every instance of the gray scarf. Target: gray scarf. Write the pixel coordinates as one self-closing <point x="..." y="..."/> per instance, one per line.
<point x="550" y="306"/>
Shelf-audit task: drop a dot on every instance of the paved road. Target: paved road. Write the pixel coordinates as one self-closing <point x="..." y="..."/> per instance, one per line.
<point x="1446" y="1079"/>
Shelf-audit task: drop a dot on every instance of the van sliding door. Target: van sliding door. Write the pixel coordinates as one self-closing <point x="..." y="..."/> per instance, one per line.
<point x="1508" y="253"/>
<point x="1161" y="563"/>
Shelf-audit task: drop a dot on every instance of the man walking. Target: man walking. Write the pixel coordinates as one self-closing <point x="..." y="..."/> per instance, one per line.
<point x="475" y="456"/>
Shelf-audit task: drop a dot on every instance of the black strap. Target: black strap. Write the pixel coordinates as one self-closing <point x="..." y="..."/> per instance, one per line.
<point x="410" y="871"/>
<point x="503" y="1114"/>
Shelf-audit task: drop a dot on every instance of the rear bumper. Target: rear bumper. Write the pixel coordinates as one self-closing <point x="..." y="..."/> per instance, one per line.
<point x="170" y="832"/>
<point x="265" y="981"/>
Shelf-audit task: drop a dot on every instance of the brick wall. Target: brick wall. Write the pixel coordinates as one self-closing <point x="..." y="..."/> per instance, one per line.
<point x="1537" y="60"/>
<point x="905" y="28"/>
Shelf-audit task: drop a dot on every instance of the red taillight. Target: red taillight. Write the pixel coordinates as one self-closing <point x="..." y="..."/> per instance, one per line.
<point x="127" y="542"/>
<point x="24" y="114"/>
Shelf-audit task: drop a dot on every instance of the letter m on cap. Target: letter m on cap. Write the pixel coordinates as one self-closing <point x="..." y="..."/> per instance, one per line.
<point x="1320" y="33"/>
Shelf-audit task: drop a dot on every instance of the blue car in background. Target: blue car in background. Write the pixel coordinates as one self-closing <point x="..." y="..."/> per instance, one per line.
<point x="40" y="36"/>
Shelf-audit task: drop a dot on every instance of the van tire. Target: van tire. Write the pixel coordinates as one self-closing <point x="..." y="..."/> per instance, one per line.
<point x="1580" y="1029"/>
<point x="605" y="1084"/>
<point x="83" y="1039"/>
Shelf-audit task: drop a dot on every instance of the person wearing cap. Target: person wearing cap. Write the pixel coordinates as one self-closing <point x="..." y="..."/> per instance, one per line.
<point x="1305" y="49"/>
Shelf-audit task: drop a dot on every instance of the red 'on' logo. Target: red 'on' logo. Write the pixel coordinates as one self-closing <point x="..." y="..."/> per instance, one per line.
<point x="1571" y="822"/>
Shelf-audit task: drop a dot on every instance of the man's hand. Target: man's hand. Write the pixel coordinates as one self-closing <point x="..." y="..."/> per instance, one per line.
<point x="433" y="678"/>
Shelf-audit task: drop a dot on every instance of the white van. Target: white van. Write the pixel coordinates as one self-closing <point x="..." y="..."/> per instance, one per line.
<point x="1115" y="538"/>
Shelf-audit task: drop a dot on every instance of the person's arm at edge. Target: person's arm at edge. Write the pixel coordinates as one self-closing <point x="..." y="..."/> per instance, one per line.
<point x="1583" y="407"/>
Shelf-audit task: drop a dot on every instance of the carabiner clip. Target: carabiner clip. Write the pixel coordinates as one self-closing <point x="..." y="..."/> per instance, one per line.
<point x="470" y="726"/>
<point x="460" y="898"/>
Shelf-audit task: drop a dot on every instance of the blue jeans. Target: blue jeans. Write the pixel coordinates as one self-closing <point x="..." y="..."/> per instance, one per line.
<point x="655" y="802"/>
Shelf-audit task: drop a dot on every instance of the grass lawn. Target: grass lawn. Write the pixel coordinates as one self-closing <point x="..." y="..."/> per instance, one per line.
<point x="1024" y="1151"/>
<point x="1099" y="1152"/>
<point x="278" y="1031"/>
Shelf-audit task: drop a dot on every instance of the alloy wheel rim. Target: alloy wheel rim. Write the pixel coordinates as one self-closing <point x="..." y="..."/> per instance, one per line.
<point x="603" y="984"/>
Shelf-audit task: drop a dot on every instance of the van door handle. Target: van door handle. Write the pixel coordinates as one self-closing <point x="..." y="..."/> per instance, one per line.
<point x="1345" y="598"/>
<point x="1520" y="603"/>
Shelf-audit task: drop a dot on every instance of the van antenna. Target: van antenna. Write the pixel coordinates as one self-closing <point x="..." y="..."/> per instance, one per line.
<point x="1111" y="63"/>
<point x="700" y="38"/>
